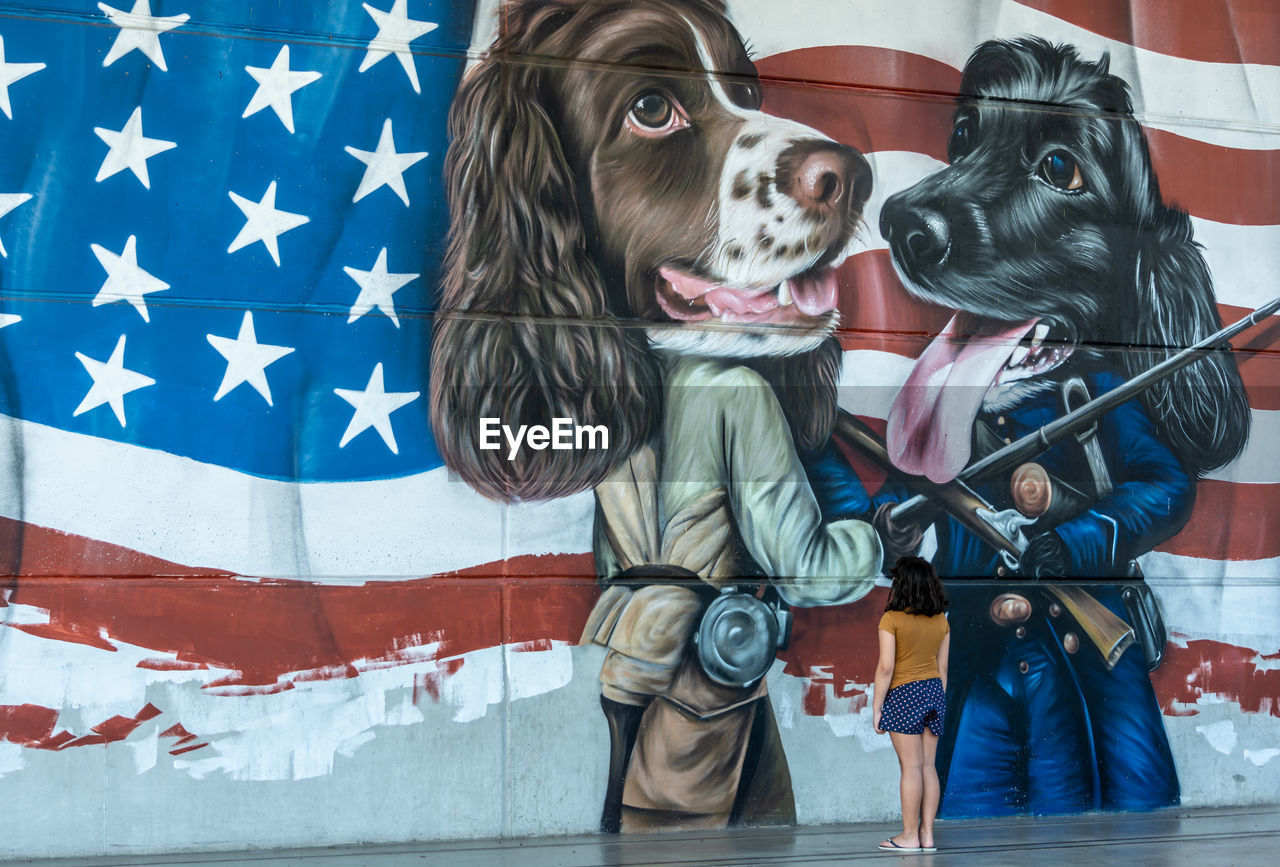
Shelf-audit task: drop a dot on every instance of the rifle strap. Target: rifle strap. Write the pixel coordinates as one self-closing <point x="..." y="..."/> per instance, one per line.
<point x="1075" y="394"/>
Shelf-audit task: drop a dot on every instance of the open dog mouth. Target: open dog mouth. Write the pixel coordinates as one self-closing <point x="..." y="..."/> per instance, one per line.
<point x="799" y="299"/>
<point x="930" y="425"/>
<point x="1032" y="356"/>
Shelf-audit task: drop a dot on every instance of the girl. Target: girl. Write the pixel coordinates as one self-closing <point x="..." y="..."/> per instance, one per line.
<point x="910" y="703"/>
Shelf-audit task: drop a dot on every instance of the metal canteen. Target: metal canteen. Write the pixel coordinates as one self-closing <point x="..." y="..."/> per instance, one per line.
<point x="737" y="639"/>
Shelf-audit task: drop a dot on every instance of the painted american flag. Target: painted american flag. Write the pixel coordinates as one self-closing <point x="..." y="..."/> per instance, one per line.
<point x="222" y="224"/>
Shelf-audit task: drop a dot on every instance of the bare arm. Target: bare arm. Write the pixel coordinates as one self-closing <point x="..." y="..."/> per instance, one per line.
<point x="944" y="654"/>
<point x="884" y="675"/>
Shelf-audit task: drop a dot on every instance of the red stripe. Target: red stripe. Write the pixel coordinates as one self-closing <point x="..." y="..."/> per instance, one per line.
<point x="1226" y="185"/>
<point x="1228" y="31"/>
<point x="879" y="99"/>
<point x="271" y="629"/>
<point x="837" y="646"/>
<point x="33" y="726"/>
<point x="1224" y="671"/>
<point x="876" y="99"/>
<point x="877" y="313"/>
<point x="1231" y="521"/>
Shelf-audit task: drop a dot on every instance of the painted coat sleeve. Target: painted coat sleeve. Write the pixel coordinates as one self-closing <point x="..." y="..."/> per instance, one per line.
<point x="1152" y="499"/>
<point x="777" y="516"/>
<point x="839" y="491"/>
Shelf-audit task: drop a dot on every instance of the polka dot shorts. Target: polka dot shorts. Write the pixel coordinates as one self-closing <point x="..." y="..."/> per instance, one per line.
<point x="908" y="707"/>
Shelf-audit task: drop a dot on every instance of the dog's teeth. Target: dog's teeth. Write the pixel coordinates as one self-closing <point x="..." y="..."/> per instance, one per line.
<point x="1020" y="353"/>
<point x="1039" y="334"/>
<point x="784" y="293"/>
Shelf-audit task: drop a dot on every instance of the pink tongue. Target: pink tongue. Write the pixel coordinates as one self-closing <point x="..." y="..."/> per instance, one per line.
<point x="817" y="294"/>
<point x="931" y="421"/>
<point x="813" y="295"/>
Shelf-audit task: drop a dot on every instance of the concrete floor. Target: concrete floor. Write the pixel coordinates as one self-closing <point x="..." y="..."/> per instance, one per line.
<point x="1203" y="838"/>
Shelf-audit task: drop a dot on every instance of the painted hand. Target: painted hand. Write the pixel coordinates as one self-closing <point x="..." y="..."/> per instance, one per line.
<point x="1046" y="557"/>
<point x="899" y="540"/>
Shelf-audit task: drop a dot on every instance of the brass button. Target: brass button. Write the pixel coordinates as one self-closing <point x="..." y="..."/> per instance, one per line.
<point x="1000" y="570"/>
<point x="1021" y="632"/>
<point x="1010" y="608"/>
<point x="1008" y="441"/>
<point x="1023" y="667"/>
<point x="1054" y="609"/>
<point x="1000" y="420"/>
<point x="1070" y="643"/>
<point x="1031" y="489"/>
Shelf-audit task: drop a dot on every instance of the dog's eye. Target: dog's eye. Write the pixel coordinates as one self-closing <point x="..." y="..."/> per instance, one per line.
<point x="1059" y="170"/>
<point x="654" y="115"/>
<point x="961" y="141"/>
<point x="746" y="95"/>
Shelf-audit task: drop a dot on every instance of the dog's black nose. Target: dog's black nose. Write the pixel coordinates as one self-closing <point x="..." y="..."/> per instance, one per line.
<point x="827" y="177"/>
<point x="917" y="236"/>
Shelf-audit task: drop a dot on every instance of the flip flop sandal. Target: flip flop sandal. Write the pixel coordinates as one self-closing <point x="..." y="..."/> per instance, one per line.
<point x="890" y="846"/>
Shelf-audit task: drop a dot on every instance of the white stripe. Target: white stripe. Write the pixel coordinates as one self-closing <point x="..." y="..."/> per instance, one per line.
<point x="290" y="735"/>
<point x="198" y="514"/>
<point x="1234" y="105"/>
<point x="1257" y="464"/>
<point x="870" y="379"/>
<point x="484" y="29"/>
<point x="1242" y="259"/>
<point x="1234" y="601"/>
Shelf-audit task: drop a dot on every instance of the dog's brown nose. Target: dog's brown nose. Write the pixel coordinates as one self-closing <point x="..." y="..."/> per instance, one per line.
<point x="827" y="176"/>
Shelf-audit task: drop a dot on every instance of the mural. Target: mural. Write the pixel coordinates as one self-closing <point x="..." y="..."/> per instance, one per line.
<point x="369" y="369"/>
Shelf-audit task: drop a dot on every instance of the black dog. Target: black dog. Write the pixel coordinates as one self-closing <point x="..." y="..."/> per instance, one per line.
<point x="1048" y="233"/>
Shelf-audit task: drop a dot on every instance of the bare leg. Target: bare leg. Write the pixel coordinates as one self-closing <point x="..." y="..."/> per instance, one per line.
<point x="931" y="789"/>
<point x="910" y="749"/>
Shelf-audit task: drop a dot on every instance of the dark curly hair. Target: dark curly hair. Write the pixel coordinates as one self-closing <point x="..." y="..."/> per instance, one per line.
<point x="916" y="588"/>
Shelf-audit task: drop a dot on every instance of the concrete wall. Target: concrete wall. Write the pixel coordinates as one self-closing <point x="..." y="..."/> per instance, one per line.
<point x="263" y="587"/>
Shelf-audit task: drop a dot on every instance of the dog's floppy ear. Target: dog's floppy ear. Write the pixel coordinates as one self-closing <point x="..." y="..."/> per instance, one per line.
<point x="805" y="386"/>
<point x="1203" y="410"/>
<point x="522" y="331"/>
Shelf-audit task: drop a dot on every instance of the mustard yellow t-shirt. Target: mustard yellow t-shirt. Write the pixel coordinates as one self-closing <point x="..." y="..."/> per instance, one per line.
<point x="917" y="641"/>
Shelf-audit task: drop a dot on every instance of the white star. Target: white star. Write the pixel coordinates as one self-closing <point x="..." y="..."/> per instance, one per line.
<point x="9" y="73"/>
<point x="247" y="359"/>
<point x="264" y="223"/>
<point x="111" y="382"/>
<point x="276" y="86"/>
<point x="373" y="409"/>
<point x="7" y="319"/>
<point x="9" y="201"/>
<point x="384" y="166"/>
<point x="130" y="149"/>
<point x="125" y="280"/>
<point x="395" y="31"/>
<point x="376" y="289"/>
<point x="141" y="30"/>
